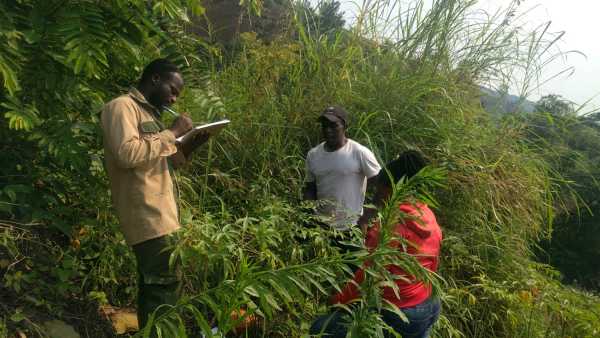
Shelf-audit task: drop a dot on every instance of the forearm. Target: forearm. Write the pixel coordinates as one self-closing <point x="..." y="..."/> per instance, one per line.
<point x="310" y="192"/>
<point x="189" y="148"/>
<point x="368" y="214"/>
<point x="138" y="151"/>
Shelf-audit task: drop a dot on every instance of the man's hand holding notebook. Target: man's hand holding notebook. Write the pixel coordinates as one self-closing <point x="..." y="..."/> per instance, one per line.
<point x="194" y="138"/>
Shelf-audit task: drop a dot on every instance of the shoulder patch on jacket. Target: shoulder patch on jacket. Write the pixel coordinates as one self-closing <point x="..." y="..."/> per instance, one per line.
<point x="149" y="127"/>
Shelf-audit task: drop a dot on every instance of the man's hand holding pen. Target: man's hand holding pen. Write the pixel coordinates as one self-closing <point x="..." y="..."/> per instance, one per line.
<point x="182" y="124"/>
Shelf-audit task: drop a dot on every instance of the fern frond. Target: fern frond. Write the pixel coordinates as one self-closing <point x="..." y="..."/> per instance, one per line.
<point x="86" y="40"/>
<point x="20" y="116"/>
<point x="169" y="8"/>
<point x="10" y="57"/>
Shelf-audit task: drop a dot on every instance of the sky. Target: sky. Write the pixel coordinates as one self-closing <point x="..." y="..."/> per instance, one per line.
<point x="577" y="18"/>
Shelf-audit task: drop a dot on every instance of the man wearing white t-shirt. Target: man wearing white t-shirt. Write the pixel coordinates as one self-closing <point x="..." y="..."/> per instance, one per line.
<point x="337" y="171"/>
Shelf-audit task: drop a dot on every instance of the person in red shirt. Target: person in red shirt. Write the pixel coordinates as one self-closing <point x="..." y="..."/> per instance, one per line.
<point x="414" y="296"/>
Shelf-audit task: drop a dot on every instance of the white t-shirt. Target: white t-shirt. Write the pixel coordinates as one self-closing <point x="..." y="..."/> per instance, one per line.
<point x="341" y="179"/>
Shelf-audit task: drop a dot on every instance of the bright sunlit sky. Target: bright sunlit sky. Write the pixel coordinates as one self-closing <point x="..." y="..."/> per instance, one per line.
<point x="578" y="19"/>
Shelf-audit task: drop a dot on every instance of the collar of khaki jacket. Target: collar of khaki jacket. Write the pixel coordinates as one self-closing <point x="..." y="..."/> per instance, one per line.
<point x="135" y="94"/>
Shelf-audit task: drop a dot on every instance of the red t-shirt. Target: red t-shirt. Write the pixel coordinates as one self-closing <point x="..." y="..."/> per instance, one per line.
<point x="425" y="234"/>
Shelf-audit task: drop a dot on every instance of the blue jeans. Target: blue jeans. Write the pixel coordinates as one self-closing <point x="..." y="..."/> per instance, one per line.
<point x="421" y="318"/>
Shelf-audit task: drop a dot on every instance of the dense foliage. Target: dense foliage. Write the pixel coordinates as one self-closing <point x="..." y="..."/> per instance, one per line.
<point x="245" y="244"/>
<point x="570" y="143"/>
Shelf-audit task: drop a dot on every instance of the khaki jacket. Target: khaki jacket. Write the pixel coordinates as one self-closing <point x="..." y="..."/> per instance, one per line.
<point x="136" y="147"/>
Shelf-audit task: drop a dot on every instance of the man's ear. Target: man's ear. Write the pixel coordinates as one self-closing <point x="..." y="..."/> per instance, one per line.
<point x="155" y="79"/>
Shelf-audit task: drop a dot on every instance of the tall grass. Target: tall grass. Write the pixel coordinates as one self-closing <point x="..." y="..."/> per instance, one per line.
<point x="409" y="72"/>
<point x="410" y="75"/>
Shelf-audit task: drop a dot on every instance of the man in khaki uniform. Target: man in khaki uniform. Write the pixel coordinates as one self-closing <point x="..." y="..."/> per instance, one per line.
<point x="138" y="150"/>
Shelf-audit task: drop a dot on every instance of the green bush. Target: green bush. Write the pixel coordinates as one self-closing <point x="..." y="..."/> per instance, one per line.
<point x="244" y="245"/>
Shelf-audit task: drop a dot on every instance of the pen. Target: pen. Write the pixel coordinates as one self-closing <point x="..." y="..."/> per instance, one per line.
<point x="174" y="113"/>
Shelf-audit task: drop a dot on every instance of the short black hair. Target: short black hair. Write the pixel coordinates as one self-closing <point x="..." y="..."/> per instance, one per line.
<point x="408" y="164"/>
<point x="162" y="67"/>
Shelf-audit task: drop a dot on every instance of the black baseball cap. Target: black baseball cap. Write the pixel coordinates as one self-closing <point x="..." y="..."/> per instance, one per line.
<point x="334" y="114"/>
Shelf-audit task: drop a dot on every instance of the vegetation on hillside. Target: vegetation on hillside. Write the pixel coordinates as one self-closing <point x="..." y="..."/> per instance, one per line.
<point x="570" y="143"/>
<point x="410" y="75"/>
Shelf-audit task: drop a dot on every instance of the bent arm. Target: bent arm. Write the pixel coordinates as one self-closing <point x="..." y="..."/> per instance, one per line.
<point x="184" y="151"/>
<point x="369" y="212"/>
<point x="310" y="191"/>
<point x="137" y="151"/>
<point x="130" y="147"/>
<point x="189" y="147"/>
<point x="310" y="187"/>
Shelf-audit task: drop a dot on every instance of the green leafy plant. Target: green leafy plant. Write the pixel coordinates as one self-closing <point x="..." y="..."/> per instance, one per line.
<point x="245" y="243"/>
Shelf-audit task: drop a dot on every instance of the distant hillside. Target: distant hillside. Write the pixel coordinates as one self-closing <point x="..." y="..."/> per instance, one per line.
<point x="498" y="103"/>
